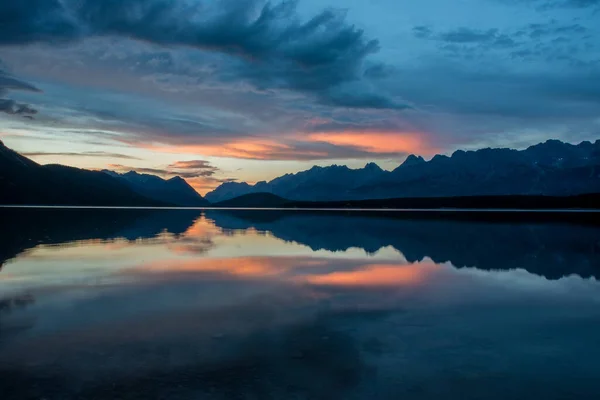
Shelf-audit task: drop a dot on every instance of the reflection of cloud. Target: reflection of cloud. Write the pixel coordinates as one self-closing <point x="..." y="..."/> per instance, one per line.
<point x="381" y="275"/>
<point x="181" y="340"/>
<point x="257" y="267"/>
<point x="192" y="246"/>
<point x="9" y="304"/>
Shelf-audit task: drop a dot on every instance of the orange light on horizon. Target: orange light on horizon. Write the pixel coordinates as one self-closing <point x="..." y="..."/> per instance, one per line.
<point x="377" y="142"/>
<point x="258" y="149"/>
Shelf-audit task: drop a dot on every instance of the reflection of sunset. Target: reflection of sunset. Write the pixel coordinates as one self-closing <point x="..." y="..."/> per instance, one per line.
<point x="259" y="267"/>
<point x="298" y="269"/>
<point x="378" y="275"/>
<point x="376" y="142"/>
<point x="201" y="227"/>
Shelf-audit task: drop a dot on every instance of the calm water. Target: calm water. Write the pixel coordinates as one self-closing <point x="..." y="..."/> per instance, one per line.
<point x="155" y="304"/>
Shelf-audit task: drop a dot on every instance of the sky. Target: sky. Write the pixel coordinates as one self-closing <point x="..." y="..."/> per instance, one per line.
<point x="247" y="90"/>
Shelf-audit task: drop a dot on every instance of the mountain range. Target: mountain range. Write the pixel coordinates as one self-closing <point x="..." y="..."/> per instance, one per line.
<point x="23" y="181"/>
<point x="552" y="168"/>
<point x="174" y="191"/>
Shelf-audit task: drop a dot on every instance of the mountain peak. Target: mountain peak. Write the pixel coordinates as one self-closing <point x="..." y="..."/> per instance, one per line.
<point x="413" y="160"/>
<point x="373" y="167"/>
<point x="176" y="179"/>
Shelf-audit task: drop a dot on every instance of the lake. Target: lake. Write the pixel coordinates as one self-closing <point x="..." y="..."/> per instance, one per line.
<point x="242" y="304"/>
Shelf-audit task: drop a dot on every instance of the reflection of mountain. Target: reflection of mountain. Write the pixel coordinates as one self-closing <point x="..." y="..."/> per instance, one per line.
<point x="28" y="228"/>
<point x="549" y="249"/>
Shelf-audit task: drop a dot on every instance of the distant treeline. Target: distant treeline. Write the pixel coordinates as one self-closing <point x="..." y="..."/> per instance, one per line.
<point x="587" y="201"/>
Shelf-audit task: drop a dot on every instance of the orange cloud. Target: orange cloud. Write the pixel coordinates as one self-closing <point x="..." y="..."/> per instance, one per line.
<point x="305" y="146"/>
<point x="377" y="142"/>
<point x="252" y="149"/>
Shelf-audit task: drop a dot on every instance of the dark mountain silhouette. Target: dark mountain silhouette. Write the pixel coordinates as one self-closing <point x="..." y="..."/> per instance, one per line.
<point x="174" y="191"/>
<point x="23" y="181"/>
<point x="254" y="200"/>
<point x="552" y="168"/>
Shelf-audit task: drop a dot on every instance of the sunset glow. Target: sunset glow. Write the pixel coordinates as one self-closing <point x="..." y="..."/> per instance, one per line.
<point x="259" y="149"/>
<point x="378" y="142"/>
<point x="383" y="275"/>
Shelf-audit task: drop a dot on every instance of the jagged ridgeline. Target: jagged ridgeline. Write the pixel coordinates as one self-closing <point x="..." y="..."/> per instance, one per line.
<point x="552" y="168"/>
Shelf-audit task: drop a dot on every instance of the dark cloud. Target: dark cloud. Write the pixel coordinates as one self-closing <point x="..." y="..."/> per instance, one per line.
<point x="12" y="107"/>
<point x="141" y="170"/>
<point x="8" y="82"/>
<point x="101" y="154"/>
<point x="194" y="164"/>
<point x="29" y="21"/>
<point x="270" y="43"/>
<point x="185" y="169"/>
<point x="8" y="106"/>
<point x="556" y="4"/>
<point x="551" y="41"/>
<point x="500" y="102"/>
<point x="193" y="169"/>
<point x="536" y="31"/>
<point x="350" y="99"/>
<point x="422" y="31"/>
<point x="571" y="4"/>
<point x="467" y="35"/>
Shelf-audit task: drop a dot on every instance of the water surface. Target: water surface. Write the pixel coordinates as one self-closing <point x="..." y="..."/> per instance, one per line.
<point x="225" y="304"/>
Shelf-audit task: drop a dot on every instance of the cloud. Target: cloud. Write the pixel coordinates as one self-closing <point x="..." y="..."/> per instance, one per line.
<point x="184" y="169"/>
<point x="383" y="143"/>
<point x="141" y="170"/>
<point x="101" y="154"/>
<point x="552" y="41"/>
<point x="422" y="31"/>
<point x="307" y="147"/>
<point x="269" y="44"/>
<point x="538" y="30"/>
<point x="8" y="106"/>
<point x="198" y="173"/>
<point x="194" y="164"/>
<point x="545" y="5"/>
<point x="193" y="169"/>
<point x="467" y="35"/>
<point x="12" y="107"/>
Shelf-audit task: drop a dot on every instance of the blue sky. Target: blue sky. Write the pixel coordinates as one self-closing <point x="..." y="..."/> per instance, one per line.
<point x="252" y="89"/>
